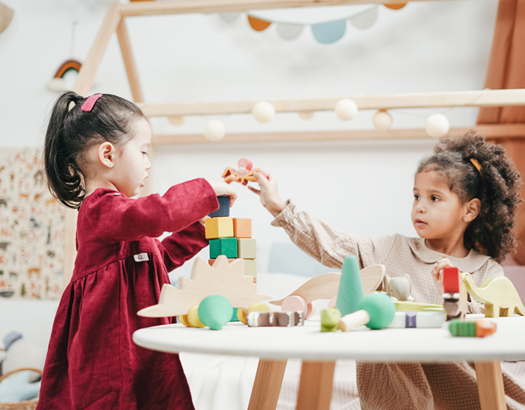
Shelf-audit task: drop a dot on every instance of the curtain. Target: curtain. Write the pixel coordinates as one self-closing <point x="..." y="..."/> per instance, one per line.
<point x="506" y="69"/>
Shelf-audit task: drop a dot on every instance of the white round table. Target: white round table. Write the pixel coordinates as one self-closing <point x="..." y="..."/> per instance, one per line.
<point x="274" y="345"/>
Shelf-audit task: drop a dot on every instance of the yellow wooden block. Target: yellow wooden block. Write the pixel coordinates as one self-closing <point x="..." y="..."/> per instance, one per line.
<point x="221" y="227"/>
<point x="250" y="268"/>
<point x="242" y="227"/>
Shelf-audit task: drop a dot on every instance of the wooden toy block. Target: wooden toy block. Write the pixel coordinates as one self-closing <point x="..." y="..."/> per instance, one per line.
<point x="330" y="319"/>
<point x="498" y="293"/>
<point x="246" y="248"/>
<point x="223" y="278"/>
<point x="242" y="227"/>
<point x="283" y="319"/>
<point x="451" y="280"/>
<point x="224" y="207"/>
<point x="455" y="297"/>
<point x="243" y="174"/>
<point x="223" y="246"/>
<point x="250" y="267"/>
<point x="405" y="306"/>
<point x="468" y="328"/>
<point x="212" y="261"/>
<point x="418" y="319"/>
<point x="351" y="289"/>
<point x="325" y="286"/>
<point x="234" y="315"/>
<point x="218" y="227"/>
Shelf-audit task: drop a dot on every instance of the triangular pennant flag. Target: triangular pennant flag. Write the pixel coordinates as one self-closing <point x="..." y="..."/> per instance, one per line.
<point x="289" y="31"/>
<point x="365" y="19"/>
<point x="258" y="24"/>
<point x="327" y="33"/>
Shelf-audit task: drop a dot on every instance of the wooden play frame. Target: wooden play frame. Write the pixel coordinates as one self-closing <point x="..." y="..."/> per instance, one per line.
<point x="270" y="373"/>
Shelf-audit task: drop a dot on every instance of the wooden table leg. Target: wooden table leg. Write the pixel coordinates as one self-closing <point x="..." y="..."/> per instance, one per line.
<point x="315" y="386"/>
<point x="490" y="385"/>
<point x="267" y="384"/>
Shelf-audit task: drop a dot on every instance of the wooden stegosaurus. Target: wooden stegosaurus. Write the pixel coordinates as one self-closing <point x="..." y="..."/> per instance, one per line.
<point x="223" y="278"/>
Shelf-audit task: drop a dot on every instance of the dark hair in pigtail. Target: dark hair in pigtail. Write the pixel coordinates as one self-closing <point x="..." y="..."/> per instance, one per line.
<point x="496" y="185"/>
<point x="71" y="132"/>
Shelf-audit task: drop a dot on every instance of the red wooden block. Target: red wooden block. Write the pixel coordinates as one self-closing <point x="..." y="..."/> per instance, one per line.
<point x="451" y="280"/>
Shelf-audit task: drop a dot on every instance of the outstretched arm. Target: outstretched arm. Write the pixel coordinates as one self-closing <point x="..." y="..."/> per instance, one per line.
<point x="117" y="218"/>
<point x="181" y="246"/>
<point x="328" y="245"/>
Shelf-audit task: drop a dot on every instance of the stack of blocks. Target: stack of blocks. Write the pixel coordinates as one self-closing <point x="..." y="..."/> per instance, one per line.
<point x="231" y="237"/>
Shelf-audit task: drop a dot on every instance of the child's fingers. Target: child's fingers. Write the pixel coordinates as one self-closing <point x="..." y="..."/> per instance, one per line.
<point x="256" y="191"/>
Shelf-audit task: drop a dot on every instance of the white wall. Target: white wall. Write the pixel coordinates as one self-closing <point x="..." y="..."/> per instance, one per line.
<point x="362" y="187"/>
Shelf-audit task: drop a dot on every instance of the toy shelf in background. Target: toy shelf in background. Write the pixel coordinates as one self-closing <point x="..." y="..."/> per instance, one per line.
<point x="325" y="32"/>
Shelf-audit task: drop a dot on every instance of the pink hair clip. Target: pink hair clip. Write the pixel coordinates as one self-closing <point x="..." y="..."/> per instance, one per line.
<point x="90" y="102"/>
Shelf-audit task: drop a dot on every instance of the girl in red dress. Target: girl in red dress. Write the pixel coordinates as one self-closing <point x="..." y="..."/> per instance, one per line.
<point x="96" y="160"/>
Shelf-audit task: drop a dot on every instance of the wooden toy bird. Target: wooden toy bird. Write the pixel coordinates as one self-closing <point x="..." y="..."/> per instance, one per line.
<point x="243" y="174"/>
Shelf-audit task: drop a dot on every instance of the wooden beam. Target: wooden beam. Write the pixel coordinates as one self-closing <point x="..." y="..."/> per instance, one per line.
<point x="213" y="6"/>
<point x="480" y="98"/>
<point x="129" y="62"/>
<point x="489" y="131"/>
<point x="90" y="66"/>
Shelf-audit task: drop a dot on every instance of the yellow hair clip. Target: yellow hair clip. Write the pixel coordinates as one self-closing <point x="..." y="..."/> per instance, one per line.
<point x="476" y="163"/>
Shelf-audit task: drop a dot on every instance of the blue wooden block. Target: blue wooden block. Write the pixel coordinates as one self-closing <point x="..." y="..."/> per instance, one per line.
<point x="224" y="207"/>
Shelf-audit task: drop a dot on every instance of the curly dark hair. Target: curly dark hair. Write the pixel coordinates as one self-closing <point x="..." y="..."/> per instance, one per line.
<point x="496" y="186"/>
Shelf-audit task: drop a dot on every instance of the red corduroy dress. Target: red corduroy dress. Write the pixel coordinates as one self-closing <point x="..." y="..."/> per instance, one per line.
<point x="92" y="362"/>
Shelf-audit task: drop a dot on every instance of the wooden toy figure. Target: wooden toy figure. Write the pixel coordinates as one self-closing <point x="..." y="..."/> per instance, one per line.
<point x="469" y="328"/>
<point x="223" y="278"/>
<point x="454" y="294"/>
<point x="325" y="286"/>
<point x="243" y="174"/>
<point x="498" y="293"/>
<point x="376" y="311"/>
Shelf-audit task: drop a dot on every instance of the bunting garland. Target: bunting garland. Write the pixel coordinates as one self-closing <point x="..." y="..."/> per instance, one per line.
<point x="327" y="32"/>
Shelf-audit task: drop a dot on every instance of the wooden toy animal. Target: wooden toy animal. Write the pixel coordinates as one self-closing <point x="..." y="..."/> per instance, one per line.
<point x="326" y="285"/>
<point x="243" y="174"/>
<point x="498" y="293"/>
<point x="398" y="288"/>
<point x="223" y="278"/>
<point x="454" y="294"/>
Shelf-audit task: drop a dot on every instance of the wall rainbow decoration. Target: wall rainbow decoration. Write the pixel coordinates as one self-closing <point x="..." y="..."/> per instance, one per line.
<point x="57" y="83"/>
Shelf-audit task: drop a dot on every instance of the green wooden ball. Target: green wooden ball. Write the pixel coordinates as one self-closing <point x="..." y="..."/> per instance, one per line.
<point x="380" y="308"/>
<point x="215" y="311"/>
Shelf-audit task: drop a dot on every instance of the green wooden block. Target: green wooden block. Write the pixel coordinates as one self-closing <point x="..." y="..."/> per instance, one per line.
<point x="246" y="248"/>
<point x="223" y="246"/>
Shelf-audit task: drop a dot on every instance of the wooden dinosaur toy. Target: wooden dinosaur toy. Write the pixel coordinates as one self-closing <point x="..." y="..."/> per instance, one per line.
<point x="223" y="278"/>
<point x="498" y="293"/>
<point x="326" y="285"/>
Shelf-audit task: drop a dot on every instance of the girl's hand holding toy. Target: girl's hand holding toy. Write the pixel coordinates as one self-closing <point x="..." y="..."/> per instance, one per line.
<point x="437" y="273"/>
<point x="269" y="197"/>
<point x="221" y="188"/>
